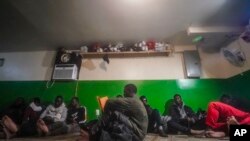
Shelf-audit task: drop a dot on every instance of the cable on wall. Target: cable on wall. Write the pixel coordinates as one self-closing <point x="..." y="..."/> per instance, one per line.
<point x="50" y="85"/>
<point x="76" y="89"/>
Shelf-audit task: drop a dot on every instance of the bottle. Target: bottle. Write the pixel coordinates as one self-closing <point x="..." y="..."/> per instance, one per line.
<point x="97" y="113"/>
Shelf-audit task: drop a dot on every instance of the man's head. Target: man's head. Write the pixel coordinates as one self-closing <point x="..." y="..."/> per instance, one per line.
<point x="178" y="99"/>
<point x="37" y="101"/>
<point x="226" y="99"/>
<point x="144" y="100"/>
<point x="119" y="96"/>
<point x="74" y="102"/>
<point x="58" y="101"/>
<point x="130" y="90"/>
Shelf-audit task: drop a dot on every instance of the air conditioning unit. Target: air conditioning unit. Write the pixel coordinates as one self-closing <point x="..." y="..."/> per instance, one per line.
<point x="65" y="72"/>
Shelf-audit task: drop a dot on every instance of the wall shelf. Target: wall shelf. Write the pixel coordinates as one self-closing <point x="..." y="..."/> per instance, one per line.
<point x="126" y="54"/>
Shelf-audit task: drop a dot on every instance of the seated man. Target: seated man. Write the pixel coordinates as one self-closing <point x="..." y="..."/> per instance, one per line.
<point x="221" y="115"/>
<point x="52" y="120"/>
<point x="123" y="119"/>
<point x="235" y="102"/>
<point x="183" y="117"/>
<point x="154" y="118"/>
<point x="13" y="116"/>
<point x="76" y="115"/>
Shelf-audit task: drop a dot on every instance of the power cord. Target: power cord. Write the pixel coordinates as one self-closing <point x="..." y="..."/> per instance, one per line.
<point x="51" y="85"/>
<point x="76" y="89"/>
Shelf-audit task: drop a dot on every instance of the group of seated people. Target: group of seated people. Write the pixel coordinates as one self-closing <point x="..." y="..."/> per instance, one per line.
<point x="124" y="118"/>
<point x="181" y="118"/>
<point x="213" y="123"/>
<point x="20" y="120"/>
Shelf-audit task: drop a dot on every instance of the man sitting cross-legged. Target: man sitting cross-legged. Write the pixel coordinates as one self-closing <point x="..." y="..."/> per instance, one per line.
<point x="76" y="116"/>
<point x="52" y="120"/>
<point x="182" y="117"/>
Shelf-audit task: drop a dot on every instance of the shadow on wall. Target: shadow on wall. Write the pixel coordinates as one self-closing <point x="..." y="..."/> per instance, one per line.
<point x="103" y="66"/>
<point x="88" y="64"/>
<point x="48" y="62"/>
<point x="167" y="106"/>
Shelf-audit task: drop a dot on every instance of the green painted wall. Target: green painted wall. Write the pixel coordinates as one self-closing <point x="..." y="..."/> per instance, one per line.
<point x="195" y="92"/>
<point x="240" y="88"/>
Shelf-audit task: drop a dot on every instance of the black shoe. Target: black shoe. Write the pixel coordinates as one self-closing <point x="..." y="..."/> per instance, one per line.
<point x="161" y="132"/>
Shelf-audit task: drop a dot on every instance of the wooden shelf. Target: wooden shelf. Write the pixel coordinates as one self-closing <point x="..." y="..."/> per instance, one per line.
<point x="126" y="54"/>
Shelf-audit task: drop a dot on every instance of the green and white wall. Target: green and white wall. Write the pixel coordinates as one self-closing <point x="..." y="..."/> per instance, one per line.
<point x="26" y="74"/>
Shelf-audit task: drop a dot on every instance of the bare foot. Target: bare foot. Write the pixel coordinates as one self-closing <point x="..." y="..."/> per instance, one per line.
<point x="42" y="126"/>
<point x="215" y="134"/>
<point x="197" y="132"/>
<point x="9" y="124"/>
<point x="232" y="121"/>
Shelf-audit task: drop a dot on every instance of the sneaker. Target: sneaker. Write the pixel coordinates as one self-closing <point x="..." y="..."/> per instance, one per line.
<point x="161" y="132"/>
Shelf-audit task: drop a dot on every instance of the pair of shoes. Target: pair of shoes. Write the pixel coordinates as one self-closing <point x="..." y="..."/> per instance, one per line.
<point x="161" y="132"/>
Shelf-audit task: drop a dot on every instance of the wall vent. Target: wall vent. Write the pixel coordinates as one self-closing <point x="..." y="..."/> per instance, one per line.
<point x="65" y="72"/>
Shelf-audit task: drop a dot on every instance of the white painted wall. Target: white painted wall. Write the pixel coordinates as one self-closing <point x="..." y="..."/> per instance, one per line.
<point x="38" y="66"/>
<point x="27" y="65"/>
<point x="146" y="68"/>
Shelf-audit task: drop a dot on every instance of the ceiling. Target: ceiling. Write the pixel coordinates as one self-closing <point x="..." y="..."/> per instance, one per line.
<point x="29" y="25"/>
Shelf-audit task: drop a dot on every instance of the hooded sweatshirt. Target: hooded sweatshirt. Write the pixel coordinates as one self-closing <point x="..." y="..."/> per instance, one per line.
<point x="57" y="114"/>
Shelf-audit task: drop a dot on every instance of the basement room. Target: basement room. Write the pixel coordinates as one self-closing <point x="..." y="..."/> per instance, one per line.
<point x="124" y="70"/>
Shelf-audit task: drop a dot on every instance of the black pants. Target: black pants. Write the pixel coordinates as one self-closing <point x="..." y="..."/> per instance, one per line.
<point x="113" y="126"/>
<point x="27" y="129"/>
<point x="154" y="119"/>
<point x="182" y="126"/>
<point x="58" y="128"/>
<point x="185" y="127"/>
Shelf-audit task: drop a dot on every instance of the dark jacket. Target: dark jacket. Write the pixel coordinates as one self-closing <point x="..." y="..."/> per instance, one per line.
<point x="148" y="109"/>
<point x="176" y="115"/>
<point x="132" y="108"/>
<point x="77" y="115"/>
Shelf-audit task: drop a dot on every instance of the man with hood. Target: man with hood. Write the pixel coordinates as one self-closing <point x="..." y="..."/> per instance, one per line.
<point x="52" y="120"/>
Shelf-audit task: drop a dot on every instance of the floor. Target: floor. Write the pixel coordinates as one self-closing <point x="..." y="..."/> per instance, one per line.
<point x="149" y="137"/>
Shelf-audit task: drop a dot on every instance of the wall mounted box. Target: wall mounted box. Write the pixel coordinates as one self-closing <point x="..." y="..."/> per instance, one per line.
<point x="192" y="64"/>
<point x="65" y="72"/>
